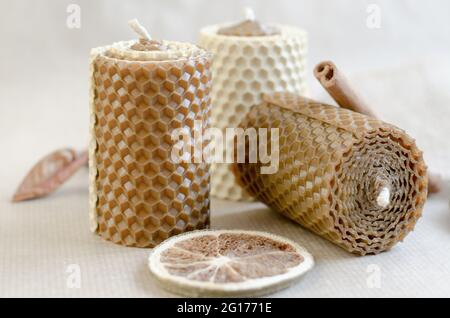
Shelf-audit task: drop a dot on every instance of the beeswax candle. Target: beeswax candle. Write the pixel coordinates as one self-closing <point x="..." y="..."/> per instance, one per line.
<point x="250" y="59"/>
<point x="141" y="92"/>
<point x="352" y="179"/>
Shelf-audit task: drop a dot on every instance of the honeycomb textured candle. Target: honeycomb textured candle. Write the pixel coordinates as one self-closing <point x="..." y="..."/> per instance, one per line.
<point x="357" y="181"/>
<point x="244" y="67"/>
<point x="139" y="196"/>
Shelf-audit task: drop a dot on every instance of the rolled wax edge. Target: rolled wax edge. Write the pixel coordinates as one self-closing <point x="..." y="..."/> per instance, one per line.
<point x="121" y="51"/>
<point x="286" y="32"/>
<point x="376" y="124"/>
<point x="93" y="172"/>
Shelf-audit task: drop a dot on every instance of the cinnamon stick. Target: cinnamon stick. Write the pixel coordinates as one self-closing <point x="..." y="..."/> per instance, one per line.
<point x="340" y="89"/>
<point x="338" y="86"/>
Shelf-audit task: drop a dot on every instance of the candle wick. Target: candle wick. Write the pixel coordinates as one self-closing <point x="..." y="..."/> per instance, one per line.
<point x="249" y="14"/>
<point x="139" y="29"/>
<point x="383" y="198"/>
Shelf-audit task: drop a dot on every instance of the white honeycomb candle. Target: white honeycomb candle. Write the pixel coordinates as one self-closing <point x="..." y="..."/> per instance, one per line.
<point x="249" y="59"/>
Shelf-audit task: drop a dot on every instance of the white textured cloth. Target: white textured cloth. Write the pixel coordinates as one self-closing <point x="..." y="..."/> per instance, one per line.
<point x="40" y="239"/>
<point x="44" y="106"/>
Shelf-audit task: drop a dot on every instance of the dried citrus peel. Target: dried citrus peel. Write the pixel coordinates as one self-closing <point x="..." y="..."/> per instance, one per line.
<point x="228" y="263"/>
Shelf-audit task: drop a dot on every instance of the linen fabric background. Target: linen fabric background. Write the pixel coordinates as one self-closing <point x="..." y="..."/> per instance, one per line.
<point x="402" y="68"/>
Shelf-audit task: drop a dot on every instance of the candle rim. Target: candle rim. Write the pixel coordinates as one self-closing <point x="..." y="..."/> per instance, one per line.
<point x="103" y="50"/>
<point x="286" y="31"/>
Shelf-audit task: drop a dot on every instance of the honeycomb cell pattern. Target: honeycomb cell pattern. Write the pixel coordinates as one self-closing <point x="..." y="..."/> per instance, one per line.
<point x="141" y="197"/>
<point x="243" y="69"/>
<point x="333" y="165"/>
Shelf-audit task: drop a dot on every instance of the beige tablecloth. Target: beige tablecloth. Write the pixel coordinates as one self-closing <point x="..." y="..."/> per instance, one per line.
<point x="43" y="241"/>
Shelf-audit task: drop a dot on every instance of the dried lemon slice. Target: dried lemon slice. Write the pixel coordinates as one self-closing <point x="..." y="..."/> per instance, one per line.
<point x="228" y="263"/>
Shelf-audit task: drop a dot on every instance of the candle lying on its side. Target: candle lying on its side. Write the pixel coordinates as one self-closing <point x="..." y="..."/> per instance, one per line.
<point x="357" y="181"/>
<point x="250" y="59"/>
<point x="141" y="92"/>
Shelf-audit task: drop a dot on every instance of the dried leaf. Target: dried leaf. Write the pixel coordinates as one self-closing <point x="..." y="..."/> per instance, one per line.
<point x="50" y="173"/>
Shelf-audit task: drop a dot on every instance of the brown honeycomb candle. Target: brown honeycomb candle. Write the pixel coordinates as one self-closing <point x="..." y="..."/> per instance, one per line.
<point x="141" y="92"/>
<point x="352" y="179"/>
<point x="250" y="58"/>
